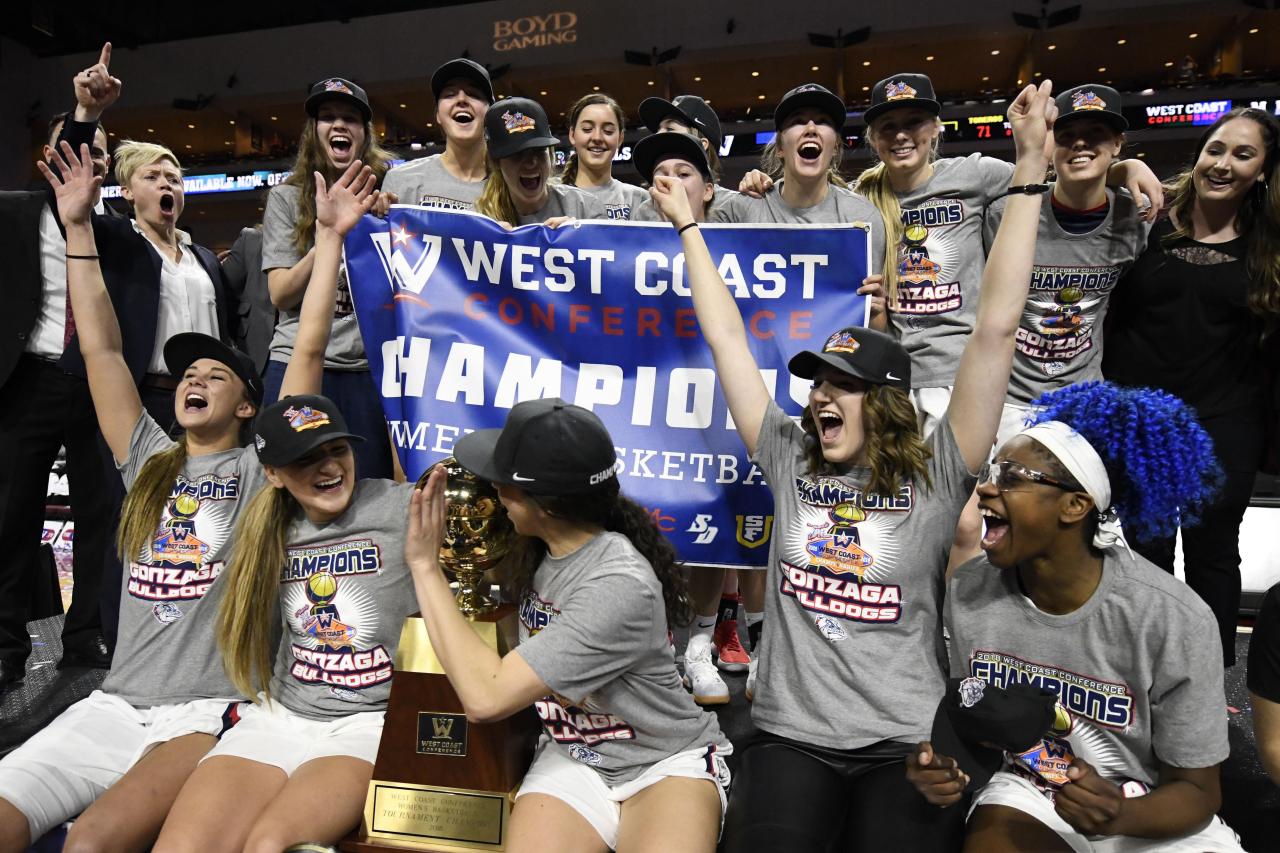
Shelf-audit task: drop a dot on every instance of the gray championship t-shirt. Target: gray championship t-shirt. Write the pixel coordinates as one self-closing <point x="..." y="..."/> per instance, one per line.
<point x="619" y="199"/>
<point x="427" y="182"/>
<point x="594" y="629"/>
<point x="647" y="211"/>
<point x="167" y="651"/>
<point x="840" y="207"/>
<point x="346" y="348"/>
<point x="566" y="201"/>
<point x="1060" y="334"/>
<point x="344" y="595"/>
<point x="940" y="263"/>
<point x="1137" y="669"/>
<point x="852" y="650"/>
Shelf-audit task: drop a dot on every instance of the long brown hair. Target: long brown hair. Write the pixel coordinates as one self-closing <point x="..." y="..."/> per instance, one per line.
<point x="312" y="158"/>
<point x="144" y="504"/>
<point x="1258" y="219"/>
<point x="896" y="454"/>
<point x="608" y="508"/>
<point x="875" y="185"/>
<point x="248" y="614"/>
<point x="569" y="176"/>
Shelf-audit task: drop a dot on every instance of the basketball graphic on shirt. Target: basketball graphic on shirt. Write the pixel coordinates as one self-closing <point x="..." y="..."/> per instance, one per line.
<point x="928" y="258"/>
<point x="175" y="566"/>
<point x="331" y="614"/>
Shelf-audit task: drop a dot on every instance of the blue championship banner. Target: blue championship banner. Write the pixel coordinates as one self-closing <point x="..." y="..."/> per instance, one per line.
<point x="462" y="320"/>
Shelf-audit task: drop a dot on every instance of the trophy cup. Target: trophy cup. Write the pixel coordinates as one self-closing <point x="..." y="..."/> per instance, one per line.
<point x="442" y="783"/>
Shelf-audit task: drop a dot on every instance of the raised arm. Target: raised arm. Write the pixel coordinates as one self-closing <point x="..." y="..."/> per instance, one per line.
<point x="983" y="376"/>
<point x="338" y="209"/>
<point x="718" y="317"/>
<point x="115" y="397"/>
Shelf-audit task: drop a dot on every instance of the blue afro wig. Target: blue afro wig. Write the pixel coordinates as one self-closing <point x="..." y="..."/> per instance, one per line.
<point x="1160" y="460"/>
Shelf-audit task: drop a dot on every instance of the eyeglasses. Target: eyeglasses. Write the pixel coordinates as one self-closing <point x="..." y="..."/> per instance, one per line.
<point x="1011" y="476"/>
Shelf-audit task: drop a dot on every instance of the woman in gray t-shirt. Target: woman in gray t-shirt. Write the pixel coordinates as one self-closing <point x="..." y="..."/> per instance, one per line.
<point x="519" y="190"/>
<point x="596" y="125"/>
<point x="1060" y="602"/>
<point x="598" y="590"/>
<point x="851" y="661"/>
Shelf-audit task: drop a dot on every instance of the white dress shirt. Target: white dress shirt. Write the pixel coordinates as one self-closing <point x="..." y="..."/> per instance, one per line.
<point x="188" y="302"/>
<point x="46" y="336"/>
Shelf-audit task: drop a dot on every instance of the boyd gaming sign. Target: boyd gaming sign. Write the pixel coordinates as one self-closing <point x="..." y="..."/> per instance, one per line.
<point x="535" y="31"/>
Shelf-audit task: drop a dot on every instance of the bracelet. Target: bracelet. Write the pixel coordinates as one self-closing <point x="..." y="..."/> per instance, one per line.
<point x="686" y="227"/>
<point x="1028" y="189"/>
<point x="82" y="257"/>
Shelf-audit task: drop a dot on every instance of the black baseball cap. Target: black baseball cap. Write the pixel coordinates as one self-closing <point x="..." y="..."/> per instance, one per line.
<point x="468" y="70"/>
<point x="977" y="721"/>
<point x="689" y="110"/>
<point x="656" y="147"/>
<point x="866" y="353"/>
<point x="1091" y="101"/>
<point x="513" y="125"/>
<point x="183" y="350"/>
<point x="338" y="89"/>
<point x="291" y="428"/>
<point x="546" y="447"/>
<point x="899" y="91"/>
<point x="810" y="95"/>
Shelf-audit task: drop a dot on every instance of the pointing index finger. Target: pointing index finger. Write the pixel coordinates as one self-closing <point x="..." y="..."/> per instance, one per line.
<point x="104" y="59"/>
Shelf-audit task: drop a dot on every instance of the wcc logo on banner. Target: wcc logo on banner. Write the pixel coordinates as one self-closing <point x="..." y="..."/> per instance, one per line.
<point x="462" y="320"/>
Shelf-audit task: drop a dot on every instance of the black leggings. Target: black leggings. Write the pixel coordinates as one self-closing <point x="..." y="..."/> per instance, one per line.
<point x="790" y="796"/>
<point x="1211" y="549"/>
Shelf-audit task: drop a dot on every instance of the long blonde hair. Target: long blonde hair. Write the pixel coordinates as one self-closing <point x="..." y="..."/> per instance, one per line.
<point x="495" y="199"/>
<point x="145" y="503"/>
<point x="896" y="454"/>
<point x="312" y="158"/>
<point x="248" y="613"/>
<point x="875" y="185"/>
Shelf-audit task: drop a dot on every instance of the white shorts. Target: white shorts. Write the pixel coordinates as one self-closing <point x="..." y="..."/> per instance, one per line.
<point x="270" y="733"/>
<point x="557" y="775"/>
<point x="1008" y="789"/>
<point x="68" y="764"/>
<point x="931" y="404"/>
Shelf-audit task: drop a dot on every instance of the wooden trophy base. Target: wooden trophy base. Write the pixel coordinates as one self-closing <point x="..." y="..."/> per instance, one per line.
<point x="440" y="783"/>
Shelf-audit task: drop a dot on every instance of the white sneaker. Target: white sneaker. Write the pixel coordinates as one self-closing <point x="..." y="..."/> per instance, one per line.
<point x="702" y="678"/>
<point x="751" y="679"/>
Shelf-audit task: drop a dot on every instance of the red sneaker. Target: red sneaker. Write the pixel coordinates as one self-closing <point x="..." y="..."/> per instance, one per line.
<point x="731" y="656"/>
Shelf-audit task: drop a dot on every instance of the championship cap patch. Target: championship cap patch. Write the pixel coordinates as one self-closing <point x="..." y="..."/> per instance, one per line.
<point x="898" y="90"/>
<point x="338" y="86"/>
<point x="1087" y="101"/>
<point x="517" y="122"/>
<point x="841" y="341"/>
<point x="305" y="418"/>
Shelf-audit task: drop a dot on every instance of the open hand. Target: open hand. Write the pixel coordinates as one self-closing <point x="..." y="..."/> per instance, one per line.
<point x="1088" y="802"/>
<point x="341" y="206"/>
<point x="670" y="197"/>
<point x="75" y="186"/>
<point x="425" y="533"/>
<point x="95" y="88"/>
<point x="937" y="777"/>
<point x="1031" y="116"/>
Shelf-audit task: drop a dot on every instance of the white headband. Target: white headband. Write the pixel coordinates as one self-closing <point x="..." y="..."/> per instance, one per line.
<point x="1085" y="465"/>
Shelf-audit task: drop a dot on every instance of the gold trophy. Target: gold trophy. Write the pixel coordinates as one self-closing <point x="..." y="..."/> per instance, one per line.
<point x="477" y="534"/>
<point x="440" y="782"/>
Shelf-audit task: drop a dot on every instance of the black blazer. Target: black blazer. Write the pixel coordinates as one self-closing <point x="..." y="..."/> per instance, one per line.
<point x="130" y="267"/>
<point x="247" y="283"/>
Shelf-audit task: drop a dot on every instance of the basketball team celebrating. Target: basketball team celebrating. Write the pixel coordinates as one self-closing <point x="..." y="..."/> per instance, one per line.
<point x="1029" y="545"/>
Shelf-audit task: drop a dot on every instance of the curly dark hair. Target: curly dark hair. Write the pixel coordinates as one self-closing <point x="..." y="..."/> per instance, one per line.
<point x="608" y="508"/>
<point x="1159" y="459"/>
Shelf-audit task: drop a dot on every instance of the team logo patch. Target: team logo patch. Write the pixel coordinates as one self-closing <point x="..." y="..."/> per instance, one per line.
<point x="259" y="442"/>
<point x="810" y="87"/>
<point x="753" y="530"/>
<point x="1087" y="101"/>
<point x="345" y="695"/>
<point x="841" y="342"/>
<point x="723" y="777"/>
<point x="337" y="86"/>
<point x="898" y="90"/>
<point x="830" y="628"/>
<point x="305" y="418"/>
<point x="584" y="754"/>
<point x="517" y="122"/>
<point x="166" y="613"/>
<point x="971" y="690"/>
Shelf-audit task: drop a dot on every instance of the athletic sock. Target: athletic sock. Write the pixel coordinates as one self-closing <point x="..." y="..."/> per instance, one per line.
<point x="755" y="624"/>
<point x="728" y="611"/>
<point x="701" y="629"/>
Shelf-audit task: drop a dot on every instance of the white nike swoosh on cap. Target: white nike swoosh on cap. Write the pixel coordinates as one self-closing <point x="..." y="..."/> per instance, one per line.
<point x="889" y="375"/>
<point x="518" y="478"/>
